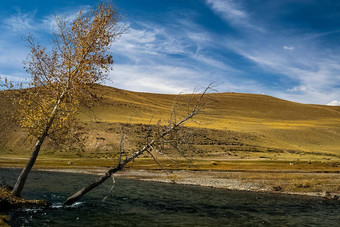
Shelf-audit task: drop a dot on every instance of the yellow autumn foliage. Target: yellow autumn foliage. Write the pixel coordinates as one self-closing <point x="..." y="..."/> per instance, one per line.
<point x="62" y="76"/>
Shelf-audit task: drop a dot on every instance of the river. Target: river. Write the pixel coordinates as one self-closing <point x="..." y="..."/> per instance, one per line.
<point x="138" y="203"/>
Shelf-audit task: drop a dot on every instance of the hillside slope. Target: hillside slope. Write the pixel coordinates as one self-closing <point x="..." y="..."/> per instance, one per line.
<point x="233" y="125"/>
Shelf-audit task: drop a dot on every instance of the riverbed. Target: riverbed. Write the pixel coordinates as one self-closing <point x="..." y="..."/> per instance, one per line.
<point x="139" y="203"/>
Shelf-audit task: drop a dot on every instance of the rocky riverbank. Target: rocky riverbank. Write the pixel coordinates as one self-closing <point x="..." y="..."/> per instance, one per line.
<point x="8" y="201"/>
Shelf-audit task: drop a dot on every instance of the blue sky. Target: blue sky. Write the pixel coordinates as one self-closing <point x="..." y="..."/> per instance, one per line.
<point x="287" y="49"/>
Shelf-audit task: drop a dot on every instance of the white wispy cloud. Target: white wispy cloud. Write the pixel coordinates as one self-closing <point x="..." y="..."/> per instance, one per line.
<point x="137" y="42"/>
<point x="315" y="75"/>
<point x="313" y="71"/>
<point x="69" y="14"/>
<point x="153" y="78"/>
<point x="148" y="51"/>
<point x="334" y="103"/>
<point x="301" y="88"/>
<point x="26" y="22"/>
<point x="229" y="10"/>
<point x="20" y="21"/>
<point x="16" y="27"/>
<point x="233" y="13"/>
<point x="288" y="48"/>
<point x="149" y="66"/>
<point x="174" y="80"/>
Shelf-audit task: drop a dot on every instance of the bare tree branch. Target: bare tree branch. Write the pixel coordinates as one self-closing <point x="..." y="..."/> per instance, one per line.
<point x="149" y="146"/>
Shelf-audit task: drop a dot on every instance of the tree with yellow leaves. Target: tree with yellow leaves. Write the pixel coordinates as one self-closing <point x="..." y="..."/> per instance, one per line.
<point x="62" y="76"/>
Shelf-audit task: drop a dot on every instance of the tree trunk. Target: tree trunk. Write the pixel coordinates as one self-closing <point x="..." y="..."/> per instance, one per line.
<point x="75" y="197"/>
<point x="19" y="185"/>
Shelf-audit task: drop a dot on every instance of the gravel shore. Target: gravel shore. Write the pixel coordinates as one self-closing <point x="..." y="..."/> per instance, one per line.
<point x="216" y="179"/>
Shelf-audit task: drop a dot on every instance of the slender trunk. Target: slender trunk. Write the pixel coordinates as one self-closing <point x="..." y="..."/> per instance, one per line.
<point x="75" y="197"/>
<point x="19" y="185"/>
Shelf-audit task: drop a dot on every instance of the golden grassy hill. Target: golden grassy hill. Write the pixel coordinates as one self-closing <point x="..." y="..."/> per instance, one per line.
<point x="233" y="125"/>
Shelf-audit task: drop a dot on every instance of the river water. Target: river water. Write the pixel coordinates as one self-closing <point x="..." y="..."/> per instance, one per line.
<point x="138" y="203"/>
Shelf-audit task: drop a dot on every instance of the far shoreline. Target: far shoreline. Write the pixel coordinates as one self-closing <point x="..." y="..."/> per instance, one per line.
<point x="212" y="179"/>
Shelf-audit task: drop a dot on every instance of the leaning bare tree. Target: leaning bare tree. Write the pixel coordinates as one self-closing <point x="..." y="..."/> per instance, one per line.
<point x="159" y="137"/>
<point x="62" y="76"/>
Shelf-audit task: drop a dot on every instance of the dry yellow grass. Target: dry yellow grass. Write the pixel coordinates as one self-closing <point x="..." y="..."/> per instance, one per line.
<point x="278" y="123"/>
<point x="235" y="126"/>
